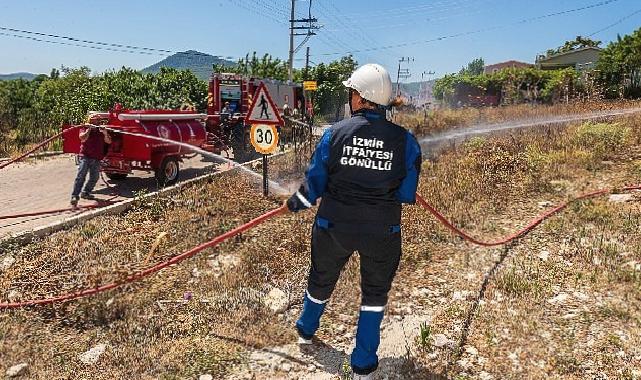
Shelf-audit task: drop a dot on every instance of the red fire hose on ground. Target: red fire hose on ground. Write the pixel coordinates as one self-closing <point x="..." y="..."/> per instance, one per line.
<point x="535" y="222"/>
<point x="149" y="271"/>
<point x="254" y="222"/>
<point x="99" y="204"/>
<point x="57" y="211"/>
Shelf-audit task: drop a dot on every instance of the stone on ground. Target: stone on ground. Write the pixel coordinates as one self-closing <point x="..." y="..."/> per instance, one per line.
<point x="92" y="356"/>
<point x="16" y="370"/>
<point x="276" y="300"/>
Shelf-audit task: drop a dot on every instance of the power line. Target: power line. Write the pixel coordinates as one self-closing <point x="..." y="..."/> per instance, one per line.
<point x="450" y="8"/>
<point x="77" y="40"/>
<point x="447" y="4"/>
<point x="272" y="11"/>
<point x="74" y="44"/>
<point x="352" y="27"/>
<point x="96" y="45"/>
<point x="523" y="21"/>
<point x="408" y="22"/>
<point x="615" y="23"/>
<point x="330" y="39"/>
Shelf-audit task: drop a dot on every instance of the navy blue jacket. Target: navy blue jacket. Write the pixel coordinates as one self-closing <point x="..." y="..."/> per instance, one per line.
<point x="363" y="168"/>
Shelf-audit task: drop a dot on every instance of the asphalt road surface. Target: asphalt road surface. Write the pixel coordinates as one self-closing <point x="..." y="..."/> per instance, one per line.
<point x="46" y="184"/>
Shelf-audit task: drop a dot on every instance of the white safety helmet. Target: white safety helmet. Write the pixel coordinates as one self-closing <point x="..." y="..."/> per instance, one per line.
<point x="373" y="83"/>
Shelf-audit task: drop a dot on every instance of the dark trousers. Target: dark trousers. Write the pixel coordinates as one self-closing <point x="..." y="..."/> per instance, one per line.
<point x="86" y="165"/>
<point x="380" y="254"/>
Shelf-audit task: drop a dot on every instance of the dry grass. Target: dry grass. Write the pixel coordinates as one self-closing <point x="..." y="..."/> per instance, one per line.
<point x="488" y="186"/>
<point x="442" y="119"/>
<point x="145" y="334"/>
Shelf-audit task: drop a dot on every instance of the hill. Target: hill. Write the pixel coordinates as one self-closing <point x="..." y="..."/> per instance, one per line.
<point x="12" y="76"/>
<point x="199" y="63"/>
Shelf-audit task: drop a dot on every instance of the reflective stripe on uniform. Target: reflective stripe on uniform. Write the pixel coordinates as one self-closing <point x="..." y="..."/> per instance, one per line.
<point x="303" y="199"/>
<point x="314" y="300"/>
<point x="375" y="309"/>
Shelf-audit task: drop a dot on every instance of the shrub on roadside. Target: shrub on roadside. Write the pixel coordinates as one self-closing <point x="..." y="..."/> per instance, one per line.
<point x="603" y="139"/>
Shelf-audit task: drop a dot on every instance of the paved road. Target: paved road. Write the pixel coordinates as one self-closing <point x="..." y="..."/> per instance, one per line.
<point x="45" y="184"/>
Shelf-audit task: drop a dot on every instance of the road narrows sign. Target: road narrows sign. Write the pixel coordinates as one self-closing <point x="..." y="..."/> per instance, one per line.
<point x="264" y="138"/>
<point x="263" y="110"/>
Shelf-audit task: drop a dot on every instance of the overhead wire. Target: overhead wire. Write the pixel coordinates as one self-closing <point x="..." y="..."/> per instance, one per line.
<point x="36" y="39"/>
<point x="359" y="32"/>
<point x="78" y="40"/>
<point x="454" y="7"/>
<point x="445" y="4"/>
<point x="328" y="39"/>
<point x="408" y="22"/>
<point x="49" y="38"/>
<point x="621" y="20"/>
<point x="472" y="32"/>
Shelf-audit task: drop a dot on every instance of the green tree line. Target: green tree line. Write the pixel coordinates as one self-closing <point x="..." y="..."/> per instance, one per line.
<point x="33" y="110"/>
<point x="331" y="94"/>
<point x="617" y="75"/>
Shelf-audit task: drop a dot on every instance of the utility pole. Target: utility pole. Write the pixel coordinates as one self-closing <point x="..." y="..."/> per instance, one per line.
<point x="423" y="74"/>
<point x="402" y="73"/>
<point x="290" y="72"/>
<point x="308" y="24"/>
<point x="306" y="75"/>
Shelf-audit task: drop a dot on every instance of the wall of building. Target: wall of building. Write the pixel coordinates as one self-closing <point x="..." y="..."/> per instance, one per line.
<point x="572" y="59"/>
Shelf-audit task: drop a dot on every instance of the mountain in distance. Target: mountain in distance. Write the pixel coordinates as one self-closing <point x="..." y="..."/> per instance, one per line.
<point x="13" y="76"/>
<point x="199" y="63"/>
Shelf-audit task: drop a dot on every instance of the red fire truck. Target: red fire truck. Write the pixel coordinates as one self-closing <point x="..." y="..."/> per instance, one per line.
<point x="233" y="93"/>
<point x="220" y="131"/>
<point x="131" y="150"/>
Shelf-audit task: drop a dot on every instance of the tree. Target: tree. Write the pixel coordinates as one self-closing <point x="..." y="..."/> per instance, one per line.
<point x="263" y="67"/>
<point x="620" y="66"/>
<point x="514" y="85"/>
<point x="476" y="67"/>
<point x="55" y="74"/>
<point x="331" y="94"/>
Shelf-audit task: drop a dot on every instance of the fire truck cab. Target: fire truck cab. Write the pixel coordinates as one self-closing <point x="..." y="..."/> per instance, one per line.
<point x="233" y="93"/>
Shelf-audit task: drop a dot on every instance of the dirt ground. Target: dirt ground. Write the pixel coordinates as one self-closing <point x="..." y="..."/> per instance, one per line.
<point x="564" y="302"/>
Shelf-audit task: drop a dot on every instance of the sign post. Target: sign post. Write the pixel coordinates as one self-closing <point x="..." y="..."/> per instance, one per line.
<point x="265" y="177"/>
<point x="264" y="138"/>
<point x="263" y="116"/>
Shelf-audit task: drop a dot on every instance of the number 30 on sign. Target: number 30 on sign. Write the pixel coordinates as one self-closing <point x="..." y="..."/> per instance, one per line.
<point x="264" y="138"/>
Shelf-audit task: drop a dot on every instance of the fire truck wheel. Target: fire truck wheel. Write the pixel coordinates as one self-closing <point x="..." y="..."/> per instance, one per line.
<point x="117" y="176"/>
<point x="167" y="173"/>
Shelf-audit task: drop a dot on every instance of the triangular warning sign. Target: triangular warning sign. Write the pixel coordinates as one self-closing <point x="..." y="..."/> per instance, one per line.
<point x="263" y="110"/>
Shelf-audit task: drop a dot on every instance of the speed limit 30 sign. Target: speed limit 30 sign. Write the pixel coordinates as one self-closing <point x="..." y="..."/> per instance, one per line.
<point x="264" y="138"/>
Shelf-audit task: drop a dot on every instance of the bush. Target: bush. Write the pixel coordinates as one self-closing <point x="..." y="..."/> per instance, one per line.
<point x="605" y="140"/>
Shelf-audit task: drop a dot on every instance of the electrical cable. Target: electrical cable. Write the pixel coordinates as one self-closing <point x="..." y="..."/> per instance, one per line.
<point x="482" y="30"/>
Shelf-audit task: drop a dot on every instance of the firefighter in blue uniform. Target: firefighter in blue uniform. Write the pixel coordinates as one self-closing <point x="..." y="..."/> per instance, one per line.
<point x="364" y="168"/>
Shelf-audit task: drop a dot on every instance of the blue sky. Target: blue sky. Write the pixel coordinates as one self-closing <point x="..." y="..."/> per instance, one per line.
<point x="235" y="27"/>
